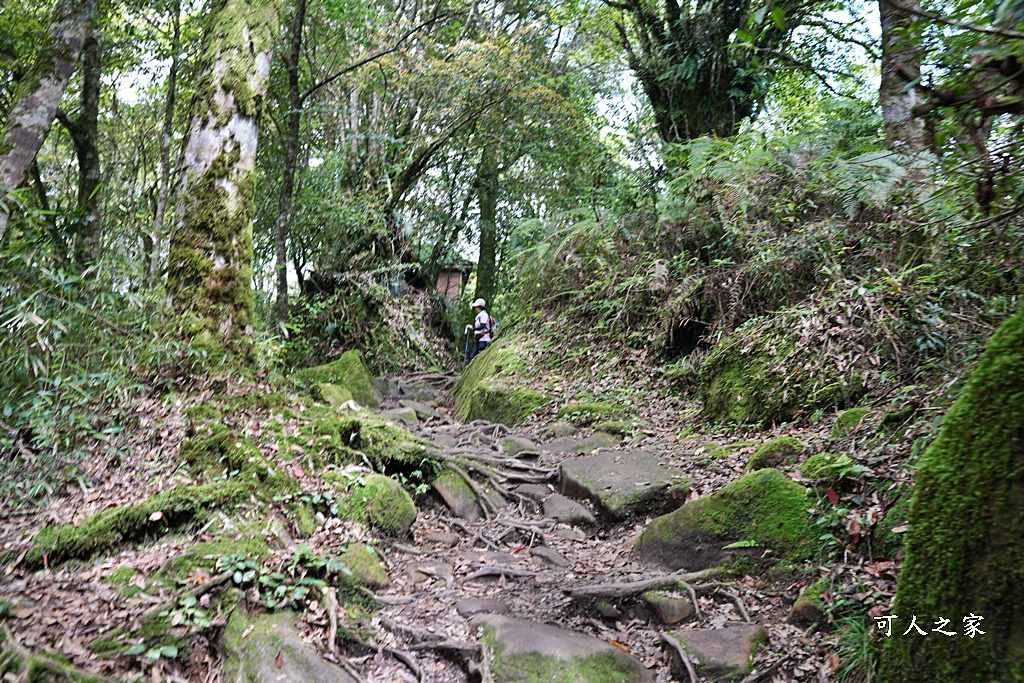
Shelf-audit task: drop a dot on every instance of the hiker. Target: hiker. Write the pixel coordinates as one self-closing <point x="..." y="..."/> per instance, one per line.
<point x="481" y="328"/>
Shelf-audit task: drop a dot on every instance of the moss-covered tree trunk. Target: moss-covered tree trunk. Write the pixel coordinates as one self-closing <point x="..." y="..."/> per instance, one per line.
<point x="38" y="96"/>
<point x="965" y="544"/>
<point x="209" y="269"/>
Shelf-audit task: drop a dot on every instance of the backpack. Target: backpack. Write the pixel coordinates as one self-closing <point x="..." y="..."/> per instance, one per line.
<point x="492" y="325"/>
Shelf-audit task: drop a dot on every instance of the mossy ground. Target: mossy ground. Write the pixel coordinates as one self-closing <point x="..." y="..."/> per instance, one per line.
<point x="963" y="549"/>
<point x="827" y="467"/>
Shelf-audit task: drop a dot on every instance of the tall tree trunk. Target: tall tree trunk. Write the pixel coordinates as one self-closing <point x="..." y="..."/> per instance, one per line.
<point x="901" y="68"/>
<point x="487" y="199"/>
<point x="39" y="94"/>
<point x="85" y="132"/>
<point x="209" y="271"/>
<point x="291" y="154"/>
<point x="153" y="275"/>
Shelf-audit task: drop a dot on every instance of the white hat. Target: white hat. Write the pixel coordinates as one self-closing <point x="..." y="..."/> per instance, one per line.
<point x="479" y="303"/>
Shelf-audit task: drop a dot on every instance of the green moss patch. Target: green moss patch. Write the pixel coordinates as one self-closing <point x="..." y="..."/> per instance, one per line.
<point x="763" y="508"/>
<point x="107" y="529"/>
<point x="221" y="451"/>
<point x="848" y="422"/>
<point x="963" y="548"/>
<point x="830" y="468"/>
<point x="348" y="372"/>
<point x="780" y="452"/>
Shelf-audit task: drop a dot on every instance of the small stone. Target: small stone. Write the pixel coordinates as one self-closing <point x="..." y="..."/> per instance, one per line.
<point x="422" y="410"/>
<point x="444" y="441"/>
<point x="406" y="415"/>
<point x="562" y="509"/>
<point x="608" y="610"/>
<point x="669" y="608"/>
<point x="424" y="571"/>
<point x="571" y="534"/>
<point x="724" y="654"/>
<point x="809" y="608"/>
<point x="473" y="606"/>
<point x="443" y="538"/>
<point x="560" y="430"/>
<point x="549" y="556"/>
<point x="537" y="492"/>
<point x="514" y="445"/>
<point x="457" y="495"/>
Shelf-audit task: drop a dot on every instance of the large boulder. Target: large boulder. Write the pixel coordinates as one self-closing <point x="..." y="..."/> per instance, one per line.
<point x="489" y="389"/>
<point x="798" y="359"/>
<point x="267" y="648"/>
<point x="347" y="372"/>
<point x="622" y="483"/>
<point x="529" y="651"/>
<point x="964" y="555"/>
<point x="763" y="509"/>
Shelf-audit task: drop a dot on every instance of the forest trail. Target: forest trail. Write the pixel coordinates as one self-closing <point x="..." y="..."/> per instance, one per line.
<point x="534" y="554"/>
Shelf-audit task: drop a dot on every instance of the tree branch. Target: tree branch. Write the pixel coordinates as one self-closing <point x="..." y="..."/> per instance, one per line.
<point x="375" y="56"/>
<point x="1005" y="33"/>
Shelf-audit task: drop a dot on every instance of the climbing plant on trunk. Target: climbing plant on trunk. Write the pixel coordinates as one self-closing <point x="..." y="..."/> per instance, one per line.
<point x="210" y="264"/>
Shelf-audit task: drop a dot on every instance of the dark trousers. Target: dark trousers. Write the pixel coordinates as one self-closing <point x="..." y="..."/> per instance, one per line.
<point x="477" y="348"/>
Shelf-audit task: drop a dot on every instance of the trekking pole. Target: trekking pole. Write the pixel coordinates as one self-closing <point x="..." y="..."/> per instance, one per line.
<point x="465" y="355"/>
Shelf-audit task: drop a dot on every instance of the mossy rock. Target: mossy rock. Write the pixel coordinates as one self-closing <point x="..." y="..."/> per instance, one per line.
<point x="809" y="607"/>
<point x="347" y="372"/>
<point x="848" y="421"/>
<point x="525" y="651"/>
<point x="388" y="507"/>
<point x="964" y="553"/>
<point x="830" y="468"/>
<point x="488" y="389"/>
<point x="767" y="370"/>
<point x="109" y="528"/>
<point x="780" y="452"/>
<point x="367" y="569"/>
<point x="586" y="413"/>
<point x="884" y="541"/>
<point x="457" y="495"/>
<point x="332" y="394"/>
<point x="762" y="508"/>
<point x="267" y="647"/>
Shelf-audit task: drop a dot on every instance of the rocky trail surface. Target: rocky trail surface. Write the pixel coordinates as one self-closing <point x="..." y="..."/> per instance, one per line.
<point x="532" y="556"/>
<point x="523" y="562"/>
